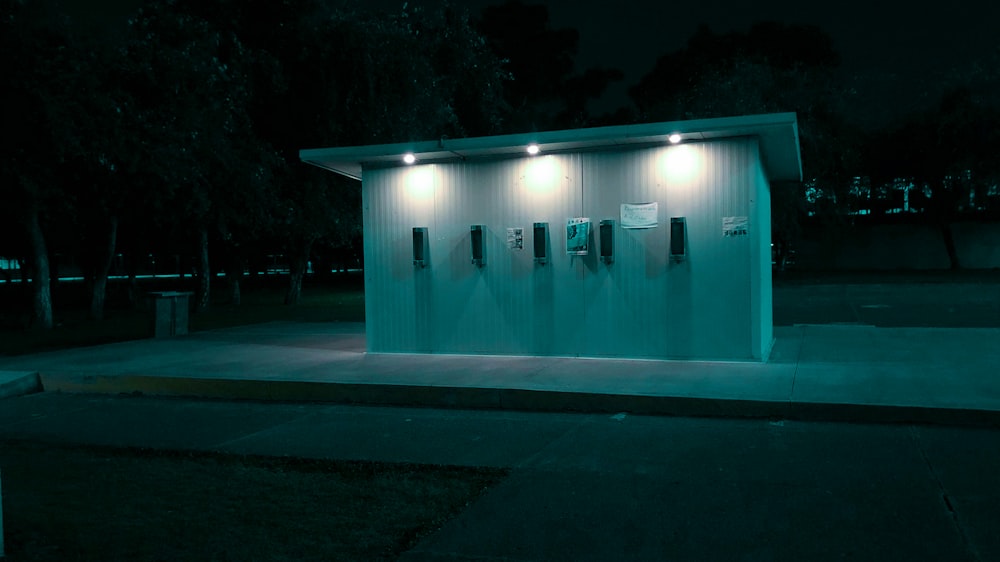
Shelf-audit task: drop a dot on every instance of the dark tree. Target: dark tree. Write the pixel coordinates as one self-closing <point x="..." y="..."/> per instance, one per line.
<point x="46" y="109"/>
<point x="327" y="76"/>
<point x="771" y="68"/>
<point x="945" y="158"/>
<point x="731" y="63"/>
<point x="101" y="177"/>
<point x="545" y="90"/>
<point x="189" y="84"/>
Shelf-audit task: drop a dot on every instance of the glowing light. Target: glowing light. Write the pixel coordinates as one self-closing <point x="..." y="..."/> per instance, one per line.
<point x="532" y="149"/>
<point x="541" y="174"/>
<point x="409" y="158"/>
<point x="674" y="138"/>
<point x="682" y="162"/>
<point x="420" y="182"/>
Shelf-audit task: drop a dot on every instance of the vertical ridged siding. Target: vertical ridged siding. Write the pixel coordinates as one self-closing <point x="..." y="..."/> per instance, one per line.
<point x="642" y="305"/>
<point x="760" y="268"/>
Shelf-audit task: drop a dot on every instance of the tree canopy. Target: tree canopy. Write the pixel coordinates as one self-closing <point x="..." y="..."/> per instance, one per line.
<point x="545" y="89"/>
<point x="179" y="131"/>
<point x="186" y="131"/>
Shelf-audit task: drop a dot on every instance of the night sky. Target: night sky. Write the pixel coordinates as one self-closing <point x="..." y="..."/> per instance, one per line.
<point x="895" y="44"/>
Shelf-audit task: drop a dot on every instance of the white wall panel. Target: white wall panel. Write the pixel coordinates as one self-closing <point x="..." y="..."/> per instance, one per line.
<point x="760" y="265"/>
<point x="394" y="201"/>
<point x="642" y="305"/>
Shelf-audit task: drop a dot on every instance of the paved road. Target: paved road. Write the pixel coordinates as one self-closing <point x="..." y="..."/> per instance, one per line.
<point x="930" y="304"/>
<point x="611" y="487"/>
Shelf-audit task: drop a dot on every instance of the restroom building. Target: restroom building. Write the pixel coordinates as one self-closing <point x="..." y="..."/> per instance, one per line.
<point x="637" y="241"/>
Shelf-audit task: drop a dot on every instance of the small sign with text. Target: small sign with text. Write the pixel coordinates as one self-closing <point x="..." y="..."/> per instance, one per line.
<point x="733" y="227"/>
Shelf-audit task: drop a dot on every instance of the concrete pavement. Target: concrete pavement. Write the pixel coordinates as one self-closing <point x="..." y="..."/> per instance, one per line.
<point x="938" y="301"/>
<point x="816" y="372"/>
<point x="16" y="383"/>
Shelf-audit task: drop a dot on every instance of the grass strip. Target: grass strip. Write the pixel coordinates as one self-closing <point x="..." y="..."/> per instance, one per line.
<point x="73" y="502"/>
<point x="74" y="329"/>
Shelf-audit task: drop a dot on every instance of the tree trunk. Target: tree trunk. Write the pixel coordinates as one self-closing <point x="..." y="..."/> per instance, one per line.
<point x="235" y="297"/>
<point x="297" y="270"/>
<point x="40" y="279"/>
<point x="234" y="274"/>
<point x="949" y="245"/>
<point x="204" y="271"/>
<point x="132" y="265"/>
<point x="99" y="288"/>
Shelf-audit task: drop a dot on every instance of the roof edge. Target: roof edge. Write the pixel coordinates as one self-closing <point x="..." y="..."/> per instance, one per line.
<point x="779" y="132"/>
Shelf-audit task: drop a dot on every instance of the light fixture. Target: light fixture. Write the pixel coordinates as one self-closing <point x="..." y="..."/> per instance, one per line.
<point x="409" y="158"/>
<point x="532" y="149"/>
<point x="674" y="138"/>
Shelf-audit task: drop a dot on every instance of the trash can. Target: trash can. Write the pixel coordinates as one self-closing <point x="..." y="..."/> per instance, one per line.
<point x="170" y="313"/>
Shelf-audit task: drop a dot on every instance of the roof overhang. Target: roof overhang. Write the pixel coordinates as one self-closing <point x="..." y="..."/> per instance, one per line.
<point x="778" y="136"/>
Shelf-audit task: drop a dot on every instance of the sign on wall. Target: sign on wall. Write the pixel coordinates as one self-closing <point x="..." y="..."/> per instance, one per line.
<point x="515" y="238"/>
<point x="577" y="236"/>
<point x="639" y="215"/>
<point x="735" y="226"/>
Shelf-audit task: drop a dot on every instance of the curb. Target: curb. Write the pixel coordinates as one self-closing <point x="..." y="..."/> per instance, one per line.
<point x="19" y="383"/>
<point x="376" y="394"/>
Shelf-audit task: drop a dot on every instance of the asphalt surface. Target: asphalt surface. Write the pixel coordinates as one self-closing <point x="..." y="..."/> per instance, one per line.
<point x="609" y="487"/>
<point x="973" y="303"/>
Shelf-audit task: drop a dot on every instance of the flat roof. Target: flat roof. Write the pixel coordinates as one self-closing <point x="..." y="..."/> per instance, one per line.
<point x="778" y="134"/>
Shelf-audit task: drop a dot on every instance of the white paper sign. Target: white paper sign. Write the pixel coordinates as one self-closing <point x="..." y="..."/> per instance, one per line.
<point x="735" y="226"/>
<point x="515" y="238"/>
<point x="639" y="215"/>
<point x="578" y="236"/>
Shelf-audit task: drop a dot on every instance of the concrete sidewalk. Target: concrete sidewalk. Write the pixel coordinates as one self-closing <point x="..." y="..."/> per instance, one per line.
<point x="816" y="372"/>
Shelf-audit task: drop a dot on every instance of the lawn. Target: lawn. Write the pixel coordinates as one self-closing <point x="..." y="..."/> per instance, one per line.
<point x="339" y="299"/>
<point x="65" y="502"/>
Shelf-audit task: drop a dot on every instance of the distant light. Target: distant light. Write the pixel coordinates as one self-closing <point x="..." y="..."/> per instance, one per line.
<point x="532" y="149"/>
<point x="409" y="158"/>
<point x="674" y="138"/>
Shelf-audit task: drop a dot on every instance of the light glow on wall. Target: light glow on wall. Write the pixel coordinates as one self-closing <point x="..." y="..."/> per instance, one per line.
<point x="682" y="162"/>
<point x="419" y="182"/>
<point x="541" y="174"/>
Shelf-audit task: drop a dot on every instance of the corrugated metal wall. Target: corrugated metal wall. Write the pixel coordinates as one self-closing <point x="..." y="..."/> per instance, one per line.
<point x="641" y="305"/>
<point x="760" y="267"/>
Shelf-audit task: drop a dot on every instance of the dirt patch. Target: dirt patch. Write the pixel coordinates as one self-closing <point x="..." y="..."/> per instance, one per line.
<point x="66" y="502"/>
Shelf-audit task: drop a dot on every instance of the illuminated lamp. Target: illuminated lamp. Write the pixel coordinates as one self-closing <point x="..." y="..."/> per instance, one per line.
<point x="532" y="149"/>
<point x="674" y="138"/>
<point x="409" y="158"/>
